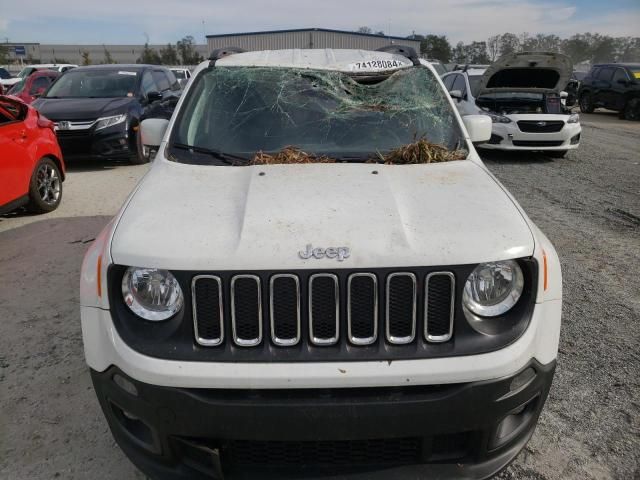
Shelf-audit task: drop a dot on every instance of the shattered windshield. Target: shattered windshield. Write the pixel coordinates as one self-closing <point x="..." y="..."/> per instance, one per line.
<point x="244" y="111"/>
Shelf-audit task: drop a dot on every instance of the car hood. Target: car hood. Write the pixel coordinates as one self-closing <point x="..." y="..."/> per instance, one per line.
<point x="81" y="108"/>
<point x="188" y="217"/>
<point x="528" y="72"/>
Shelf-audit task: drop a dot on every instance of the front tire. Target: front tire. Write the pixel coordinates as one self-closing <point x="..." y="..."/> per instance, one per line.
<point x="557" y="153"/>
<point x="45" y="187"/>
<point x="632" y="110"/>
<point x="586" y="103"/>
<point x="141" y="154"/>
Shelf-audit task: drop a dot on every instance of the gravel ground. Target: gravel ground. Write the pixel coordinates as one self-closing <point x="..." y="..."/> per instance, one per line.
<point x="588" y="204"/>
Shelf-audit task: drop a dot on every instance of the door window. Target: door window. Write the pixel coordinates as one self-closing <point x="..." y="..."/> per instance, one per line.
<point x="620" y="74"/>
<point x="460" y="84"/>
<point x="148" y="84"/>
<point x="448" y="81"/>
<point x="39" y="85"/>
<point x="161" y="81"/>
<point x="605" y="74"/>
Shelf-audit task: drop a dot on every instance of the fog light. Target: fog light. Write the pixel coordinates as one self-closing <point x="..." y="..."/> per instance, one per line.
<point x="125" y="384"/>
<point x="522" y="379"/>
<point x="514" y="424"/>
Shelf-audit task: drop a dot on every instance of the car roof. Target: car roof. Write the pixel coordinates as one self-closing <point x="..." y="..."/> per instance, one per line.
<point x="49" y="65"/>
<point x="344" y="60"/>
<point x="119" y="66"/>
<point x="44" y="73"/>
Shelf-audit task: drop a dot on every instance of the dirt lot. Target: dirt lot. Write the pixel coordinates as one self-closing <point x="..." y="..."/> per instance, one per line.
<point x="587" y="203"/>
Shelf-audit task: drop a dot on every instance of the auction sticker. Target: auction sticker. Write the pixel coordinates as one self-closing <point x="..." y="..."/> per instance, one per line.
<point x="127" y="73"/>
<point x="382" y="64"/>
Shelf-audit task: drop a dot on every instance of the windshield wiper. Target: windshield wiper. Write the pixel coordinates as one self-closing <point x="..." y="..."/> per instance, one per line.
<point x="227" y="158"/>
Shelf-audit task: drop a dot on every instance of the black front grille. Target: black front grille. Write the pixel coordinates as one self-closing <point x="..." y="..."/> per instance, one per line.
<point x="401" y="308"/>
<point x="439" y="306"/>
<point x="246" y="310"/>
<point x="540" y="126"/>
<point x="324" y="309"/>
<point x="537" y="143"/>
<point x="393" y="451"/>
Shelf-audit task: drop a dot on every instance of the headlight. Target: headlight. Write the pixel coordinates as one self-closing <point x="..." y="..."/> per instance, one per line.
<point x="493" y="288"/>
<point x="574" y="118"/>
<point x="495" y="118"/>
<point x="105" y="122"/>
<point x="151" y="294"/>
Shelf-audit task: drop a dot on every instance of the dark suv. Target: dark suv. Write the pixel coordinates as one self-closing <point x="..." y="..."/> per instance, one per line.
<point x="97" y="109"/>
<point x="615" y="86"/>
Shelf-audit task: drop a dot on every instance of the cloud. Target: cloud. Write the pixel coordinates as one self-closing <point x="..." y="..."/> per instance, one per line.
<point x="120" y="21"/>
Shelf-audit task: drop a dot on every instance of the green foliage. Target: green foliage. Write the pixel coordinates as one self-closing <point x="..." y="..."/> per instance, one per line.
<point x="364" y="30"/>
<point x="169" y="55"/>
<point x="108" y="59"/>
<point x="149" y="56"/>
<point x="187" y="50"/>
<point x="436" y="47"/>
<point x="4" y="55"/>
<point x="86" y="60"/>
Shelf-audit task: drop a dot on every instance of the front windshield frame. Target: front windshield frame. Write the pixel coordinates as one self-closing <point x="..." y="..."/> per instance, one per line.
<point x="125" y="91"/>
<point x="176" y="140"/>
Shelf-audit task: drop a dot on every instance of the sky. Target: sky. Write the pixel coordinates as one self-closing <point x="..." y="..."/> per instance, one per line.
<point x="162" y="21"/>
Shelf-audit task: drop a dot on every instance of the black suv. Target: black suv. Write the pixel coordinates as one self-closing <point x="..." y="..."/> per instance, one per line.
<point x="97" y="109"/>
<point x="615" y="86"/>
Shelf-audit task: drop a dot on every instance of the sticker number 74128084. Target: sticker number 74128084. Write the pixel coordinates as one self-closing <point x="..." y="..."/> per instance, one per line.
<point x="377" y="64"/>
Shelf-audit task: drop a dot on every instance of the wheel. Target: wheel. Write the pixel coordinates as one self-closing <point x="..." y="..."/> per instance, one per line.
<point x="556" y="153"/>
<point x="586" y="103"/>
<point x="632" y="109"/>
<point x="141" y="155"/>
<point x="45" y="187"/>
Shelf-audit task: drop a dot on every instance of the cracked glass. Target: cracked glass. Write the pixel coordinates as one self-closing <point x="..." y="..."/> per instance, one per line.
<point x="237" y="112"/>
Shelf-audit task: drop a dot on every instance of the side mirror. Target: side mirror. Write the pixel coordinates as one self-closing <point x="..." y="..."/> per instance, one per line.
<point x="456" y="95"/>
<point x="152" y="131"/>
<point x="154" y="97"/>
<point x="564" y="95"/>
<point x="479" y="127"/>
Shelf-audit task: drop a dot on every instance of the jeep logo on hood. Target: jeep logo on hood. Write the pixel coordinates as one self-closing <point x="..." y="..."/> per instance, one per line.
<point x="330" y="252"/>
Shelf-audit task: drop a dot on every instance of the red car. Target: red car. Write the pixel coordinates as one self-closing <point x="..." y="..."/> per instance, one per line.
<point x="32" y="87"/>
<point x="31" y="165"/>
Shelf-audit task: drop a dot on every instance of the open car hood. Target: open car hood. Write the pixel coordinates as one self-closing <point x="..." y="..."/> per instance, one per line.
<point x="527" y="72"/>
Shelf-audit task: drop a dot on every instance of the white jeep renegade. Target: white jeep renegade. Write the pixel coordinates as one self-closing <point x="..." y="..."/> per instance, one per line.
<point x="346" y="316"/>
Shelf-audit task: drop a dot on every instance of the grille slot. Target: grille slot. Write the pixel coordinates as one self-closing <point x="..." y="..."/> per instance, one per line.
<point x="439" y="306"/>
<point x="284" y="309"/>
<point x="246" y="310"/>
<point x="537" y="143"/>
<point x="324" y="308"/>
<point x="401" y="308"/>
<point x="362" y="308"/>
<point x="206" y="296"/>
<point x="534" y="126"/>
<point x="392" y="451"/>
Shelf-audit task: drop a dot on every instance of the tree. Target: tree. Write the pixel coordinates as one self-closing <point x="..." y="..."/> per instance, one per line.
<point x="628" y="49"/>
<point x="149" y="56"/>
<point x="459" y="53"/>
<point x="577" y="48"/>
<point x="477" y="52"/>
<point x="509" y="43"/>
<point x="187" y="50"/>
<point x="542" y="43"/>
<point x="604" y="49"/>
<point x="4" y="54"/>
<point x="86" y="60"/>
<point x="169" y="55"/>
<point x="493" y="47"/>
<point x="436" y="47"/>
<point x="364" y="30"/>
<point x="108" y="59"/>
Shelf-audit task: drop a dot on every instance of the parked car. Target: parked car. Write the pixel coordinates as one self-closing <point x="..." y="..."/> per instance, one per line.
<point x="97" y="109"/>
<point x="31" y="166"/>
<point x="33" y="86"/>
<point x="615" y="86"/>
<point x="183" y="75"/>
<point x="336" y="309"/>
<point x="4" y="75"/>
<point x="29" y="69"/>
<point x="522" y="94"/>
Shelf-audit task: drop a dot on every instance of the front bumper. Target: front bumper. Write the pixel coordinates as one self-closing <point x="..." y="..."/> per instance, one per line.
<point x="110" y="143"/>
<point x="454" y="431"/>
<point x="508" y="136"/>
